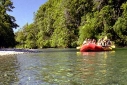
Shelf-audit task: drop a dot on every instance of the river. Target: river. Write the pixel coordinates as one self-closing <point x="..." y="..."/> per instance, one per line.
<point x="64" y="67"/>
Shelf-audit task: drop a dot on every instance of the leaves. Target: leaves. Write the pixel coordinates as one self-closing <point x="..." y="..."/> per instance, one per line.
<point x="66" y="23"/>
<point x="7" y="23"/>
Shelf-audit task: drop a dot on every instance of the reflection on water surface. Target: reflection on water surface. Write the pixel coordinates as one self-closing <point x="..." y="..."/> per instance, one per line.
<point x="67" y="67"/>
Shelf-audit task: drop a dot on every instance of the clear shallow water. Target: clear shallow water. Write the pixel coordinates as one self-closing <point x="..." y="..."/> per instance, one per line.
<point x="65" y="67"/>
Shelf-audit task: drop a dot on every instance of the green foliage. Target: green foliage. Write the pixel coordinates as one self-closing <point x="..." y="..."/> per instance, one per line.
<point x="102" y="22"/>
<point x="87" y="31"/>
<point x="66" y="23"/>
<point x="120" y="27"/>
<point x="7" y="23"/>
<point x="27" y="36"/>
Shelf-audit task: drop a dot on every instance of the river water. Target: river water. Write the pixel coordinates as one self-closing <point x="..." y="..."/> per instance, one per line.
<point x="64" y="67"/>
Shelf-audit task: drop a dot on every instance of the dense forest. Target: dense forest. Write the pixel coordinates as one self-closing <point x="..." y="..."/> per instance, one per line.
<point x="7" y="23"/>
<point x="66" y="23"/>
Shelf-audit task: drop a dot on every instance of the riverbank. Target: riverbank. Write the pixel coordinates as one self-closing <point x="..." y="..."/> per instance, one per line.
<point x="13" y="51"/>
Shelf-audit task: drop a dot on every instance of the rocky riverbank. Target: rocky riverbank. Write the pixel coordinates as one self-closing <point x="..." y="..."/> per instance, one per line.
<point x="12" y="51"/>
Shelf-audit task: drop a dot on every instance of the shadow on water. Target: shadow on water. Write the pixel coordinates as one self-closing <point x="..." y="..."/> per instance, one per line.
<point x="121" y="49"/>
<point x="58" y="50"/>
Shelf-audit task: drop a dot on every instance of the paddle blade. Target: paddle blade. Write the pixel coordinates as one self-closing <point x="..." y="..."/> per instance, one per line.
<point x="113" y="46"/>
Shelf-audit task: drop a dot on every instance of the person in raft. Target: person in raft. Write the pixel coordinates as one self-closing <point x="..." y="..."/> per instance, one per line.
<point x="104" y="42"/>
<point x="87" y="41"/>
<point x="101" y="42"/>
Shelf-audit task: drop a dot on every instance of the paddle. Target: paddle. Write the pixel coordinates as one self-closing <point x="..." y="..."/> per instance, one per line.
<point x="112" y="46"/>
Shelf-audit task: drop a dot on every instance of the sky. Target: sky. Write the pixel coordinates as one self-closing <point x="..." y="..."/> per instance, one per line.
<point x="24" y="11"/>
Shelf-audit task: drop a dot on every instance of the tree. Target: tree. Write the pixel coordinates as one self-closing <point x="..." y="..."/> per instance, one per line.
<point x="66" y="23"/>
<point x="7" y="23"/>
<point x="120" y="27"/>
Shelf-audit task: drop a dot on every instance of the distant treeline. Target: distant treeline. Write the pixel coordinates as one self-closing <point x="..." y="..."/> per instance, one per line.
<point x="66" y="23"/>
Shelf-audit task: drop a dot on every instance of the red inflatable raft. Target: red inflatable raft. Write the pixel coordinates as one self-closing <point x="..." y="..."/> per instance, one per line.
<point x="93" y="47"/>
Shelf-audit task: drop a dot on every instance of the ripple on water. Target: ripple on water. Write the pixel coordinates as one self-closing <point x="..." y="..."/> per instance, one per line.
<point x="65" y="68"/>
